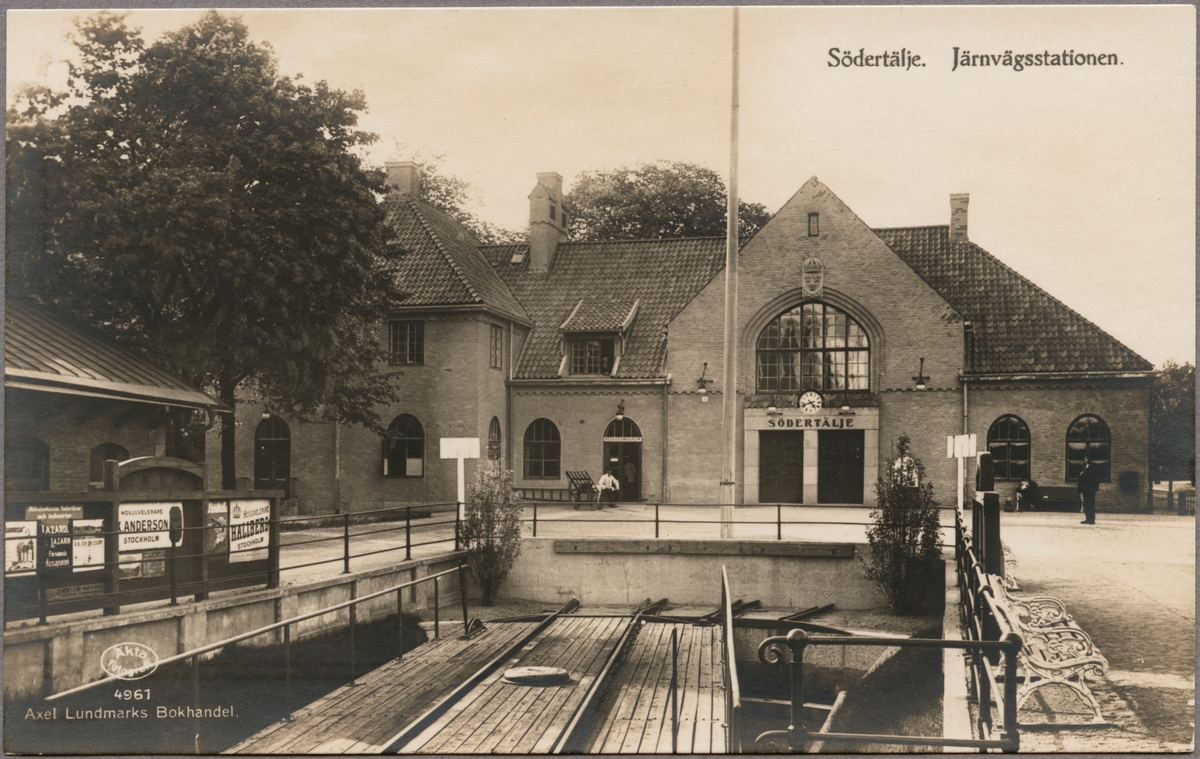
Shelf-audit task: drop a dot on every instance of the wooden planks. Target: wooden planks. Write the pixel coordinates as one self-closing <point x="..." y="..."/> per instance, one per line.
<point x="636" y="717"/>
<point x="498" y="717"/>
<point x="360" y="718"/>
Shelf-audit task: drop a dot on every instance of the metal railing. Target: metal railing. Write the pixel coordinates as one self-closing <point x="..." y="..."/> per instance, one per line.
<point x="733" y="688"/>
<point x="413" y="527"/>
<point x="658" y="517"/>
<point x="990" y="642"/>
<point x="285" y="626"/>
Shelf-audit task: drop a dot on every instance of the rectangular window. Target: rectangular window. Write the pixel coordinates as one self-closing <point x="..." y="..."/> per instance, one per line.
<point x="406" y="342"/>
<point x="591" y="356"/>
<point x="496" y="352"/>
<point x="813" y="225"/>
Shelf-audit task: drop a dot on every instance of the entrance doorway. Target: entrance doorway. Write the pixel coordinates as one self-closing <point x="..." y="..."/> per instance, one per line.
<point x="840" y="466"/>
<point x="623" y="456"/>
<point x="273" y="455"/>
<point x="780" y="466"/>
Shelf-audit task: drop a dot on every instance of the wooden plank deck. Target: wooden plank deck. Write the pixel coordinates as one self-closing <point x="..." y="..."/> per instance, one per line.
<point x="497" y="717"/>
<point x="361" y="718"/>
<point x="636" y="715"/>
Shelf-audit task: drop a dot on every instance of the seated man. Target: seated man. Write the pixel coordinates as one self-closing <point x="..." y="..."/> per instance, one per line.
<point x="1027" y="495"/>
<point x="609" y="488"/>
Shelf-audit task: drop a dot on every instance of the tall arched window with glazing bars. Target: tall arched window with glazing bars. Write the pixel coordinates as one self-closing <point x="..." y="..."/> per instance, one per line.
<point x="814" y="346"/>
<point x="1008" y="442"/>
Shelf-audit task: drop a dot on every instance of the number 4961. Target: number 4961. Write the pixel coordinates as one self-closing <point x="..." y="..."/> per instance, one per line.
<point x="141" y="694"/>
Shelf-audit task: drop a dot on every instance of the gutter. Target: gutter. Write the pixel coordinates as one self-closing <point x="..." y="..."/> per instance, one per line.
<point x="1033" y="376"/>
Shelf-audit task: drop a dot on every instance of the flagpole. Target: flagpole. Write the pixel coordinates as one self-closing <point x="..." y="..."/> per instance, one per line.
<point x="729" y="389"/>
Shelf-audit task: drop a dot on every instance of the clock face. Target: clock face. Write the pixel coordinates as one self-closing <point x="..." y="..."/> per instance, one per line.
<point x="810" y="402"/>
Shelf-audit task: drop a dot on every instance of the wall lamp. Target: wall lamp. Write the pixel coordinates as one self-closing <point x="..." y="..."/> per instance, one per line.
<point x="921" y="379"/>
<point x="772" y="411"/>
<point x="266" y="415"/>
<point x="702" y="384"/>
<point x="845" y="411"/>
<point x="621" y="410"/>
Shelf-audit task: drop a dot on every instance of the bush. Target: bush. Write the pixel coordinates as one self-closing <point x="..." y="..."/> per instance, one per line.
<point x="491" y="530"/>
<point x="905" y="539"/>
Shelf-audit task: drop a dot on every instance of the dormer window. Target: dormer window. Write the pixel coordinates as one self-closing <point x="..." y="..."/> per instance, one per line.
<point x="592" y="355"/>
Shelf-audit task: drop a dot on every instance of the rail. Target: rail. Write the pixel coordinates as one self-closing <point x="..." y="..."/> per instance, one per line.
<point x="663" y="518"/>
<point x="286" y="626"/>
<point x="312" y="541"/>
<point x="990" y="642"/>
<point x="733" y="688"/>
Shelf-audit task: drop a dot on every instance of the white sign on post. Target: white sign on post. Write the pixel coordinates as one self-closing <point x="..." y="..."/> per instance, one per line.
<point x="960" y="447"/>
<point x="461" y="448"/>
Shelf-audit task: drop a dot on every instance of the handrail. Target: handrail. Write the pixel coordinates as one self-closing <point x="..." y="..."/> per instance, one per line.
<point x="733" y="692"/>
<point x="266" y="629"/>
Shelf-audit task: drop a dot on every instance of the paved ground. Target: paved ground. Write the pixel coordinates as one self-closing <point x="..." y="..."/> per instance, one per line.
<point x="1129" y="581"/>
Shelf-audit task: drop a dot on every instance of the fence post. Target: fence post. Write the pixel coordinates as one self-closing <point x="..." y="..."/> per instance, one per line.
<point x="437" y="628"/>
<point x="462" y="591"/>
<point x="196" y="701"/>
<point x="779" y="521"/>
<point x="400" y="620"/>
<point x="287" y="670"/>
<point x="656" y="520"/>
<point x="273" y="538"/>
<point x="675" y="690"/>
<point x="346" y="543"/>
<point x="993" y="551"/>
<point x="797" y="734"/>
<point x="353" y="624"/>
<point x="458" y="509"/>
<point x="1011" y="733"/>
<point x="408" y="533"/>
<point x="535" y="519"/>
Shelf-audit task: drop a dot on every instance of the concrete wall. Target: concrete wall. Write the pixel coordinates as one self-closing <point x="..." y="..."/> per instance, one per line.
<point x="553" y="575"/>
<point x="52" y="658"/>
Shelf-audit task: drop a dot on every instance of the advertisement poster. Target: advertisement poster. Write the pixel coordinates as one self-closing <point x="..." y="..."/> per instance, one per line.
<point x="249" y="530"/>
<point x="20" y="548"/>
<point x="716" y="285"/>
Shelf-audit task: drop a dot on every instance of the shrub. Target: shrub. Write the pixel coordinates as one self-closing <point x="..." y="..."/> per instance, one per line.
<point x="491" y="530"/>
<point x="905" y="559"/>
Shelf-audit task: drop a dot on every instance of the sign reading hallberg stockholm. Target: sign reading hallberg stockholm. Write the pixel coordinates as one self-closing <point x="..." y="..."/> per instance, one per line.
<point x="249" y="529"/>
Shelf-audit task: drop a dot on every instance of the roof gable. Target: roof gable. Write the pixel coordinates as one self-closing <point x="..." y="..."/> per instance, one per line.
<point x="441" y="264"/>
<point x="1019" y="327"/>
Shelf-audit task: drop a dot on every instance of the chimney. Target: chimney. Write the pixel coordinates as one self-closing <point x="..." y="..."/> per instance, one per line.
<point x="547" y="221"/>
<point x="403" y="178"/>
<point x="958" y="217"/>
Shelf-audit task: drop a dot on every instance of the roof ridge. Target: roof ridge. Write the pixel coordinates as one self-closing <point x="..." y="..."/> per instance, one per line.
<point x="417" y="209"/>
<point x="1058" y="302"/>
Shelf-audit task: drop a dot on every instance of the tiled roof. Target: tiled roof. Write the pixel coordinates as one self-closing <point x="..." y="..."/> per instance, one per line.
<point x="441" y="264"/>
<point x="42" y="352"/>
<point x="602" y="312"/>
<point x="663" y="275"/>
<point x="1018" y="326"/>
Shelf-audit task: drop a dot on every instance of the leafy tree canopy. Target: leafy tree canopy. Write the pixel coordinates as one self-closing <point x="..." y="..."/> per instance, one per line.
<point x="1173" y="422"/>
<point x="197" y="205"/>
<point x="455" y="196"/>
<point x="656" y="200"/>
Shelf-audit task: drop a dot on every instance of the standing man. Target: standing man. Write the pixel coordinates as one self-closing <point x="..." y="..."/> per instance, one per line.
<point x="1089" y="483"/>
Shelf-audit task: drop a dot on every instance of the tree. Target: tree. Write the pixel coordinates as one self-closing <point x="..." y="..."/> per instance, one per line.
<point x="1173" y="422"/>
<point x="491" y="531"/>
<point x="905" y="542"/>
<point x="655" y="200"/>
<point x="454" y="196"/>
<point x="200" y="207"/>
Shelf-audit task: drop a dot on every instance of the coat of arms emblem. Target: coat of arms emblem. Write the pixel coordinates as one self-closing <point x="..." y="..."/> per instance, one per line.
<point x="812" y="277"/>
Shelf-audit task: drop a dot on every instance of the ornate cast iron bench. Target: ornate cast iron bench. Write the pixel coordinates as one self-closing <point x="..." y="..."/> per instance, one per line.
<point x="1055" y="650"/>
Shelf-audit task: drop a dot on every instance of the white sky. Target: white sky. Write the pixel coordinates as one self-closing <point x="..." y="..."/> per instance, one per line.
<point x="1081" y="178"/>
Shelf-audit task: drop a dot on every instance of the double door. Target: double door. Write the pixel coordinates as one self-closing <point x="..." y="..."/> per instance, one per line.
<point x="839" y="470"/>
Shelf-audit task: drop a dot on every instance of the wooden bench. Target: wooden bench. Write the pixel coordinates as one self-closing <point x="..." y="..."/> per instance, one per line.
<point x="1054" y="650"/>
<point x="583" y="490"/>
<point x="1053" y="498"/>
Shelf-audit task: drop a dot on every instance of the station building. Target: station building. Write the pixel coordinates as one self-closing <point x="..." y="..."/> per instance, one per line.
<point x="594" y="356"/>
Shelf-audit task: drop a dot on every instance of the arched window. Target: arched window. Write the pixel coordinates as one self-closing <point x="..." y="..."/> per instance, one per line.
<point x="1088" y="436"/>
<point x="1008" y="442"/>
<point x="273" y="455"/>
<point x="26" y="465"/>
<point x="543" y="450"/>
<point x="494" y="440"/>
<point x="814" y="346"/>
<point x="100" y="454"/>
<point x="404" y="448"/>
